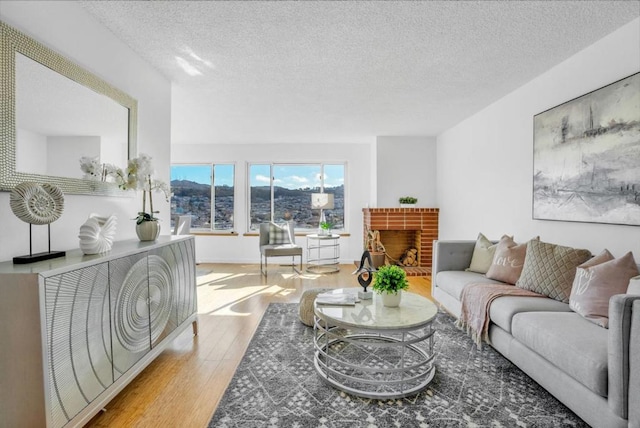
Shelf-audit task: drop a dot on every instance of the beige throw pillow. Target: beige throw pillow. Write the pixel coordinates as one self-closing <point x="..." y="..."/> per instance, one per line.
<point x="596" y="281"/>
<point x="549" y="269"/>
<point x="483" y="253"/>
<point x="508" y="261"/>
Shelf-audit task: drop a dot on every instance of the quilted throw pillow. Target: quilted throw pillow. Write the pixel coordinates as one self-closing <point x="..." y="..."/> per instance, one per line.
<point x="596" y="281"/>
<point x="549" y="269"/>
<point x="279" y="235"/>
<point x="483" y="253"/>
<point x="508" y="261"/>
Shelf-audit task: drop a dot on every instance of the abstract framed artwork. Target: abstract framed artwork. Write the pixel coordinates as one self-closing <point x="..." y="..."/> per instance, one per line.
<point x="586" y="157"/>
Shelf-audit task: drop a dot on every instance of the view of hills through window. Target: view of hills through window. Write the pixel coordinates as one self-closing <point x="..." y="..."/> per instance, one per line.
<point x="191" y="195"/>
<point x="292" y="188"/>
<point x="295" y="204"/>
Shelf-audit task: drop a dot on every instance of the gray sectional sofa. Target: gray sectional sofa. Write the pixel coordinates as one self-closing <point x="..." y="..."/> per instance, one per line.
<point x="592" y="370"/>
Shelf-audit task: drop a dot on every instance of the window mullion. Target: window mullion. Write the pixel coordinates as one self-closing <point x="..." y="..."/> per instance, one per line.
<point x="273" y="192"/>
<point x="212" y="224"/>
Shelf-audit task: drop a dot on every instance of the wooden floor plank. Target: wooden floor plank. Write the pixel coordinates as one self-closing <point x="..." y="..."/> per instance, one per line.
<point x="184" y="385"/>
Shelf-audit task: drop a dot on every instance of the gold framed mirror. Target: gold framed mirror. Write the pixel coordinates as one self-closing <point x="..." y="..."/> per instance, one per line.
<point x="54" y="112"/>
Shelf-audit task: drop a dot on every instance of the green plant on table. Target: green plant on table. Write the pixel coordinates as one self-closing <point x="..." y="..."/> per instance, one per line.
<point x="408" y="200"/>
<point x="326" y="225"/>
<point x="390" y="279"/>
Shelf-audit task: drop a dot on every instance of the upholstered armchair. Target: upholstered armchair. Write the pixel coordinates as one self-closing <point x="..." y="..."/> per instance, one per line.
<point x="278" y="241"/>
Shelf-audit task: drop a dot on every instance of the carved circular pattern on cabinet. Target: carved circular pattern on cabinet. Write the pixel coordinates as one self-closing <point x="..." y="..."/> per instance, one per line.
<point x="148" y="277"/>
<point x="37" y="203"/>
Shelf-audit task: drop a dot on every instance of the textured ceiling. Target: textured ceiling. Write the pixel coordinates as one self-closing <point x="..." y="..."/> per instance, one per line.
<point x="347" y="71"/>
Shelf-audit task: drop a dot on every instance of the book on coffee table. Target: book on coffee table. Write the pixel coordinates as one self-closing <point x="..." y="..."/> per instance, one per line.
<point x="337" y="299"/>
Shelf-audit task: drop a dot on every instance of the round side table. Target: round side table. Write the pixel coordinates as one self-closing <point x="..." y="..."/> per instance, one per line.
<point x="323" y="253"/>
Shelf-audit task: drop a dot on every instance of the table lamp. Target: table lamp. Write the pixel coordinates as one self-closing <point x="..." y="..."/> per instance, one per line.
<point x="321" y="201"/>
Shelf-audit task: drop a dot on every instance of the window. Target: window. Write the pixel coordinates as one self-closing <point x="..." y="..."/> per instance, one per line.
<point x="199" y="190"/>
<point x="282" y="192"/>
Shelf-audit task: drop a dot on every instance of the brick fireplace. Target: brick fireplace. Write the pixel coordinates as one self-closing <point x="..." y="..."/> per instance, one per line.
<point x="403" y="228"/>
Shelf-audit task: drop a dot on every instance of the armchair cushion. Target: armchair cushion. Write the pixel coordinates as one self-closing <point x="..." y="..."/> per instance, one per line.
<point x="279" y="235"/>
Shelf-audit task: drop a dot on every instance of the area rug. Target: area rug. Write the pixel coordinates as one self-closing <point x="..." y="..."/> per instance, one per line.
<point x="276" y="385"/>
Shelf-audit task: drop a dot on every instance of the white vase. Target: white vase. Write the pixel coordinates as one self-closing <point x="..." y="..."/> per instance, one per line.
<point x="407" y="205"/>
<point x="148" y="230"/>
<point x="391" y="300"/>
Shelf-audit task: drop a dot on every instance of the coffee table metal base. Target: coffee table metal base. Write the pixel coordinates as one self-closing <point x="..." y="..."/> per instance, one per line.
<point x="379" y="364"/>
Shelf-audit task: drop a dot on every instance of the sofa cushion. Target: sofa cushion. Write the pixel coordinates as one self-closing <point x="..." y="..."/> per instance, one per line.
<point x="549" y="269"/>
<point x="596" y="281"/>
<point x="504" y="308"/>
<point x="483" y="253"/>
<point x="574" y="345"/>
<point x="453" y="281"/>
<point x="508" y="261"/>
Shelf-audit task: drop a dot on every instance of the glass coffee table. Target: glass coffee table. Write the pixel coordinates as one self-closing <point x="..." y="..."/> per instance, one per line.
<point x="373" y="351"/>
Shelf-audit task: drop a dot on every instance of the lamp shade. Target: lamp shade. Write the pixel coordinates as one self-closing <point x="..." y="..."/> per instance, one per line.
<point x="322" y="201"/>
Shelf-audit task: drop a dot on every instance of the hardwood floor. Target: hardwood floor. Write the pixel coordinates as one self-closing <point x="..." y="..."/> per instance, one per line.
<point x="183" y="386"/>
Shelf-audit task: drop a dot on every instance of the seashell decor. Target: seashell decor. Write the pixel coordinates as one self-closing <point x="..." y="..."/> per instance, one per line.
<point x="37" y="203"/>
<point x="96" y="234"/>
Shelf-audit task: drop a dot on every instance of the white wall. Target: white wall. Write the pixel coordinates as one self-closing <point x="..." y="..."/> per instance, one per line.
<point x="244" y="249"/>
<point x="485" y="163"/>
<point x="66" y="28"/>
<point x="406" y="166"/>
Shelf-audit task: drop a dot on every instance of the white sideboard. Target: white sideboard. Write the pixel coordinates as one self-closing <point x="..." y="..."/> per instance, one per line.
<point x="75" y="331"/>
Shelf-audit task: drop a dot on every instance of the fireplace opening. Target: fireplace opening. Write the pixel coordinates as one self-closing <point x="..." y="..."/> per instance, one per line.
<point x="397" y="242"/>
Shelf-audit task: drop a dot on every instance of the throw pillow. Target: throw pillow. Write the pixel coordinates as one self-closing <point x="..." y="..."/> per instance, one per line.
<point x="549" y="269"/>
<point x="483" y="253"/>
<point x="279" y="235"/>
<point x="595" y="283"/>
<point x="508" y="260"/>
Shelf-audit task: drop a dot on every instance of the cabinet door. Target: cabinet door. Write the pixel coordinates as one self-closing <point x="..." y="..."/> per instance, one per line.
<point x="162" y="292"/>
<point x="171" y="287"/>
<point x="78" y="340"/>
<point x="186" y="297"/>
<point x="129" y="292"/>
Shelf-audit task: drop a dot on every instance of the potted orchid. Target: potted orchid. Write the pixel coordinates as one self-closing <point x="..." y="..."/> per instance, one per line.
<point x="137" y="176"/>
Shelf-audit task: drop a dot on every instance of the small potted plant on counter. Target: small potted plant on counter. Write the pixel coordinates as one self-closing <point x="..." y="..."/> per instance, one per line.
<point x="388" y="282"/>
<point x="325" y="228"/>
<point x="408" y="202"/>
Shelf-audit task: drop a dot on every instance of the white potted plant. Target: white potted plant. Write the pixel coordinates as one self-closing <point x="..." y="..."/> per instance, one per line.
<point x="408" y="202"/>
<point x="388" y="282"/>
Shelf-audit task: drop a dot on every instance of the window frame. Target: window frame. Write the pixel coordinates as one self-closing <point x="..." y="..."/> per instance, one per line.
<point x="271" y="165"/>
<point x="211" y="230"/>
